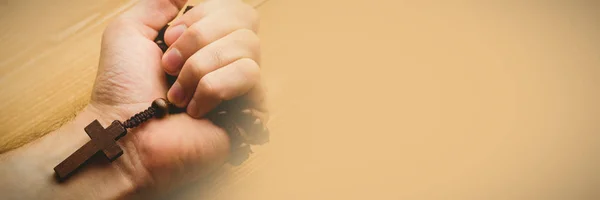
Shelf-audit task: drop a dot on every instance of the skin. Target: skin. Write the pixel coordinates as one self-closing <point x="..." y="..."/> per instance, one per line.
<point x="215" y="53"/>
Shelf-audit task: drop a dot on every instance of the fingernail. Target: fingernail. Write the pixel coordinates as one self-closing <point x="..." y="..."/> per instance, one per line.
<point x="172" y="60"/>
<point x="176" y="94"/>
<point x="192" y="109"/>
<point x="175" y="32"/>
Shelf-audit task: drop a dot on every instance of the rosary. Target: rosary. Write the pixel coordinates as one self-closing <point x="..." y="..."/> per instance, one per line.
<point x="237" y="117"/>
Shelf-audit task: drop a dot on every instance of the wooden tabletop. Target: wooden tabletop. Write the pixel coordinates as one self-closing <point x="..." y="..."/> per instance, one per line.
<point x="369" y="99"/>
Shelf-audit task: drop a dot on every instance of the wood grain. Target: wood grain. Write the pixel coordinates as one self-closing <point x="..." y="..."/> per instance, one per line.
<point x="377" y="99"/>
<point x="48" y="64"/>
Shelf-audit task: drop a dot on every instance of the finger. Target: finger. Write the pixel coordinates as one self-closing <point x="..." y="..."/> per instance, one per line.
<point x="242" y="43"/>
<point x="257" y="97"/>
<point x="147" y="17"/>
<point x="179" y="25"/>
<point x="224" y="83"/>
<point x="207" y="30"/>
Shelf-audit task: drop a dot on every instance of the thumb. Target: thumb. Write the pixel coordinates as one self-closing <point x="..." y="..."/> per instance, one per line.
<point x="146" y="17"/>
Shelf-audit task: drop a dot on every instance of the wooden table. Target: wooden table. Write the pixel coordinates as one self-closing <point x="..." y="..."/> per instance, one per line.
<point x="369" y="99"/>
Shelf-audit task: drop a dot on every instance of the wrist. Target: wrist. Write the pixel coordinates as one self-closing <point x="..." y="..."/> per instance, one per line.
<point x="106" y="113"/>
<point x="31" y="167"/>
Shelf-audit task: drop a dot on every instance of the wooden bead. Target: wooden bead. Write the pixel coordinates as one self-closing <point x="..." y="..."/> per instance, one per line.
<point x="161" y="107"/>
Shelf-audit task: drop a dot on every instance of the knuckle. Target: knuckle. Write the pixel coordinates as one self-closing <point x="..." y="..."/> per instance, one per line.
<point x="249" y="69"/>
<point x="253" y="42"/>
<point x="210" y="89"/>
<point x="243" y="13"/>
<point x="249" y="11"/>
<point x="245" y="34"/>
<point x="249" y="63"/>
<point x="250" y="41"/>
<point x="197" y="31"/>
<point x="216" y="57"/>
<point x="254" y="39"/>
<point x="251" y="17"/>
<point x="201" y="64"/>
<point x="194" y="66"/>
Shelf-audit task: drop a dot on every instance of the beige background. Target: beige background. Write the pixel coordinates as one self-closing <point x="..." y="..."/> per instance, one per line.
<point x="370" y="99"/>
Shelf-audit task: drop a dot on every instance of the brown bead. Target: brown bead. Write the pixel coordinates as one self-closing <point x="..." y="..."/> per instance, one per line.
<point x="161" y="107"/>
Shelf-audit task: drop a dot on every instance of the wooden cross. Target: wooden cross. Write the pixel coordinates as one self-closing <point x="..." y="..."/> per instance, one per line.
<point x="103" y="140"/>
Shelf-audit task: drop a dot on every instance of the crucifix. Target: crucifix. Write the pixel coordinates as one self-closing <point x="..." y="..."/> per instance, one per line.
<point x="104" y="140"/>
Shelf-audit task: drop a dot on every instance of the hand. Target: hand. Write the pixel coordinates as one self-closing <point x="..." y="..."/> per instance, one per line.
<point x="219" y="50"/>
<point x="215" y="51"/>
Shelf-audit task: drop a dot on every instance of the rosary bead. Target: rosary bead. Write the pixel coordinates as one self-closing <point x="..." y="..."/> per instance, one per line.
<point x="161" y="107"/>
